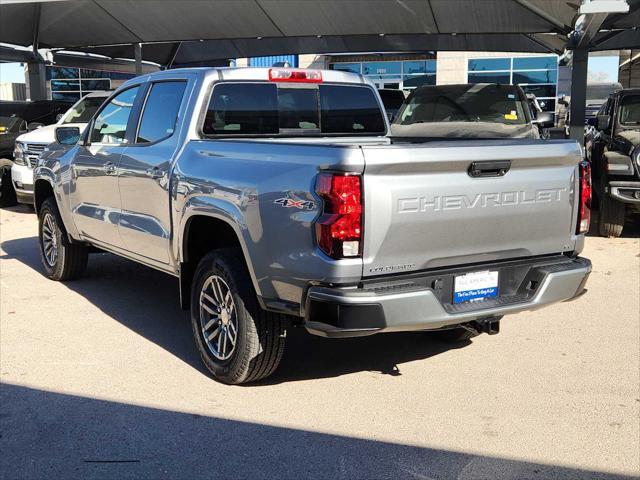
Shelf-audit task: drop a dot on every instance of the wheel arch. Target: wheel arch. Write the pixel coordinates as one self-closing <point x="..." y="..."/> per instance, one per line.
<point x="201" y="233"/>
<point x="42" y="189"/>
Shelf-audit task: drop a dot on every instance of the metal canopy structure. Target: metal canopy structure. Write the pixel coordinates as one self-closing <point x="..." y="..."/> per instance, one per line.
<point x="174" y="33"/>
<point x="191" y="31"/>
<point x="105" y="22"/>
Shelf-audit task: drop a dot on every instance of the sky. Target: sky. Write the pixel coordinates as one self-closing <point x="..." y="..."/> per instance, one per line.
<point x="601" y="69"/>
<point x="11" y="72"/>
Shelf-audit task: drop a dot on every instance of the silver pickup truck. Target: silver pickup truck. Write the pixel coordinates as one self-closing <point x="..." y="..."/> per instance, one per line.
<point x="278" y="199"/>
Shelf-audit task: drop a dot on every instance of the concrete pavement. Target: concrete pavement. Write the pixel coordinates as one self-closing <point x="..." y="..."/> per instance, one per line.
<point x="100" y="379"/>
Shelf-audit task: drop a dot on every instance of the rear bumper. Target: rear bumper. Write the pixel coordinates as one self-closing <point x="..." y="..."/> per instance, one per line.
<point x="22" y="179"/>
<point x="424" y="303"/>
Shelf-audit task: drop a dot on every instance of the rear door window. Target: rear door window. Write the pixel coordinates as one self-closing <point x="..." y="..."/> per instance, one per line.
<point x="272" y="109"/>
<point x="160" y="111"/>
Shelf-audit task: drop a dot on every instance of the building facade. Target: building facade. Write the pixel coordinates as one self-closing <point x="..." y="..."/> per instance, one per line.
<point x="536" y="73"/>
<point x="13" y="91"/>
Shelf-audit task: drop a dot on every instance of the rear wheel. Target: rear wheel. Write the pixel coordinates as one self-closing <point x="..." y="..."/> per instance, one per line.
<point x="62" y="259"/>
<point x="7" y="193"/>
<point x="238" y="341"/>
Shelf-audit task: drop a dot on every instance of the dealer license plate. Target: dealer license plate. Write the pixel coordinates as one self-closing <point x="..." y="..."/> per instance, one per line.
<point x="475" y="286"/>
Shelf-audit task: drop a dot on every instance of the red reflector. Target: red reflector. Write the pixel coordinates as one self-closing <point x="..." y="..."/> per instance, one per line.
<point x="339" y="229"/>
<point x="584" y="209"/>
<point x="293" y="75"/>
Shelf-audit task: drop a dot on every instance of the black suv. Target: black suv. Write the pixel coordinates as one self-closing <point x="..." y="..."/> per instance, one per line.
<point x="613" y="148"/>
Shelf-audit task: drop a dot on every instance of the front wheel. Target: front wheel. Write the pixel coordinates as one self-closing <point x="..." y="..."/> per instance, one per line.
<point x="238" y="341"/>
<point x="62" y="259"/>
<point x="7" y="193"/>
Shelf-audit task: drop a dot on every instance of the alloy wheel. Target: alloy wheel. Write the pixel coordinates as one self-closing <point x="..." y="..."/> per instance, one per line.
<point x="218" y="317"/>
<point x="49" y="239"/>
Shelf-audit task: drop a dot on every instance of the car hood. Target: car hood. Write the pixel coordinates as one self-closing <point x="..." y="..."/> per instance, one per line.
<point x="46" y="134"/>
<point x="464" y="130"/>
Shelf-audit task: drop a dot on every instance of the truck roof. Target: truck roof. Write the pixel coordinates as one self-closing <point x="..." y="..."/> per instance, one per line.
<point x="250" y="73"/>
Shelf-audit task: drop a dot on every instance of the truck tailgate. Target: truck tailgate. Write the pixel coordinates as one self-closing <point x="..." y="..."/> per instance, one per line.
<point x="424" y="208"/>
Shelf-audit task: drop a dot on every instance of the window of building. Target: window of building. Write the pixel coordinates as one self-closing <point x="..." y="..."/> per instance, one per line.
<point x="492" y="64"/>
<point x="536" y="75"/>
<point x="111" y="124"/>
<point x="160" y="111"/>
<point x="70" y="84"/>
<point x="405" y="74"/>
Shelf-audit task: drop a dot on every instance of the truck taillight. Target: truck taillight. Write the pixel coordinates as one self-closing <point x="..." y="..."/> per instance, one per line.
<point x="584" y="207"/>
<point x="339" y="229"/>
<point x="295" y="75"/>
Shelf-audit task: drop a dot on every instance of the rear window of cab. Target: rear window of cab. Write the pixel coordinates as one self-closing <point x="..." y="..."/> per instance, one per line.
<point x="290" y="110"/>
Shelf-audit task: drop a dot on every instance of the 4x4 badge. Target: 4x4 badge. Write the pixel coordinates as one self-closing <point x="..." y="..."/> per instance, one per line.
<point x="291" y="203"/>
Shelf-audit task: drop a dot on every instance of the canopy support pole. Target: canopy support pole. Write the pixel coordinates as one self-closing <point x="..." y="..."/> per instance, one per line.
<point x="137" y="52"/>
<point x="578" y="93"/>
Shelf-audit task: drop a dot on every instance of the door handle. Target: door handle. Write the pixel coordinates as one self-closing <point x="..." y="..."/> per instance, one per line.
<point x="110" y="168"/>
<point x="154" y="172"/>
<point x="497" y="168"/>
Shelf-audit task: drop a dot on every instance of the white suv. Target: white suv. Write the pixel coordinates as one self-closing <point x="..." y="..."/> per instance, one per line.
<point x="30" y="145"/>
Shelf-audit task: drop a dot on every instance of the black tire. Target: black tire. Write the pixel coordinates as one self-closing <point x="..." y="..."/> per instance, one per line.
<point x="70" y="260"/>
<point x="7" y="193"/>
<point x="259" y="335"/>
<point x="612" y="215"/>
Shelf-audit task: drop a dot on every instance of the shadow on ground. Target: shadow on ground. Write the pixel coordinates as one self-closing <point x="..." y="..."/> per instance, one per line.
<point x="53" y="435"/>
<point x="146" y="301"/>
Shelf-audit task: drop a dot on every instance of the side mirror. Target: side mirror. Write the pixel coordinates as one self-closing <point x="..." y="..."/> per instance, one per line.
<point x="34" y="126"/>
<point x="545" y="119"/>
<point x="67" y="135"/>
<point x="602" y="122"/>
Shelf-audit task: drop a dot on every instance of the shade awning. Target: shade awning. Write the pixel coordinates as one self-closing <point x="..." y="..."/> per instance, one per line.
<point x="79" y="23"/>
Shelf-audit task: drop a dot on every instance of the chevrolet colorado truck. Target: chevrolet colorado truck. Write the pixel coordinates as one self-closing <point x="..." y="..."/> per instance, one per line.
<point x="278" y="199"/>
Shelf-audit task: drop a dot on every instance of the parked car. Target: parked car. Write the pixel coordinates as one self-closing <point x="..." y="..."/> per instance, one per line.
<point x="597" y="94"/>
<point x="17" y="118"/>
<point x="30" y="145"/>
<point x="613" y="148"/>
<point x="277" y="199"/>
<point x="392" y="100"/>
<point x="474" y="110"/>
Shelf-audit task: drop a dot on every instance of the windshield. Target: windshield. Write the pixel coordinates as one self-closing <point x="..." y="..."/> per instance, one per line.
<point x="630" y="110"/>
<point x="464" y="103"/>
<point x="7" y="123"/>
<point x="83" y="110"/>
<point x="601" y="91"/>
